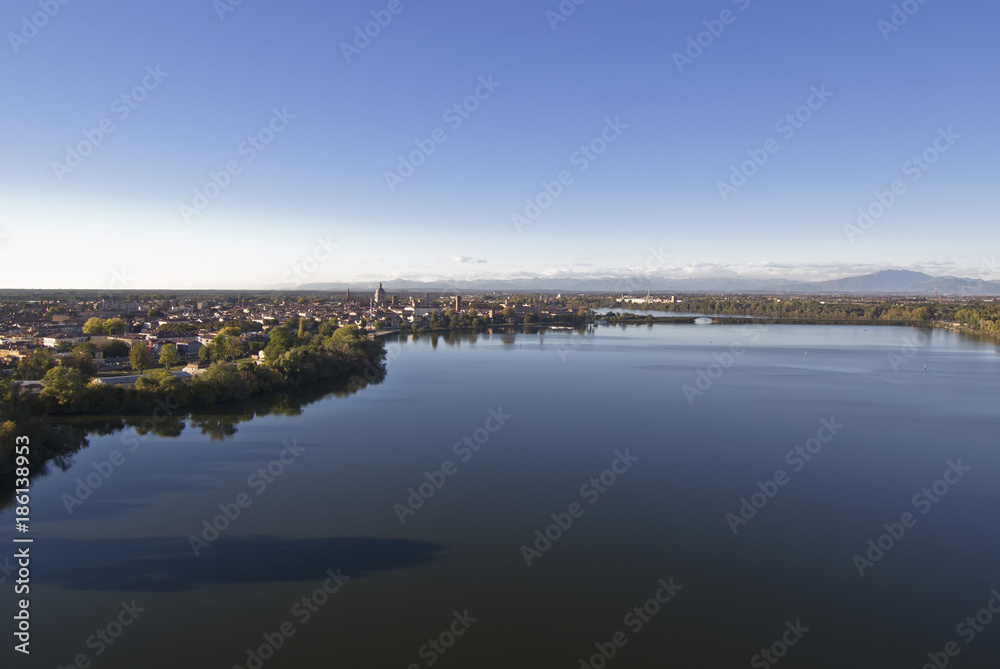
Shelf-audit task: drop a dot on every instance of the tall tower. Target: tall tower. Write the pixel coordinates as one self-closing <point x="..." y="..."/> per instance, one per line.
<point x="348" y="300"/>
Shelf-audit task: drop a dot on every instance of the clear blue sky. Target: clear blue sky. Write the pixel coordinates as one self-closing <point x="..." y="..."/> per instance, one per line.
<point x="117" y="218"/>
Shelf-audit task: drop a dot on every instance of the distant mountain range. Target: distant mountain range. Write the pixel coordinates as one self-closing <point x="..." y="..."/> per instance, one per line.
<point x="887" y="282"/>
<point x="901" y="282"/>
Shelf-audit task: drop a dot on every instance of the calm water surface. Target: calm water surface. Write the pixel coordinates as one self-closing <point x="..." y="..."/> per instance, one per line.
<point x="572" y="407"/>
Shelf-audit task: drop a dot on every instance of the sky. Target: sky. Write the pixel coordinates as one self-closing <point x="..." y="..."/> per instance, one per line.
<point x="253" y="144"/>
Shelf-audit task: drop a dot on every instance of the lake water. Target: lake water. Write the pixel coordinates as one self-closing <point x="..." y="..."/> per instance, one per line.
<point x="547" y="414"/>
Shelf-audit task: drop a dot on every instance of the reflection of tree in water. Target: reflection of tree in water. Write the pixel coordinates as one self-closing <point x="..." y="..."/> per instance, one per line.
<point x="55" y="442"/>
<point x="508" y="335"/>
<point x="50" y="446"/>
<point x="220" y="421"/>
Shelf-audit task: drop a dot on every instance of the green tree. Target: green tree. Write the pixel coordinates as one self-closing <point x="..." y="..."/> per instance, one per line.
<point x="33" y="367"/>
<point x="327" y="328"/>
<point x="139" y="356"/>
<point x="169" y="356"/>
<point x="82" y="360"/>
<point x="98" y="326"/>
<point x="178" y="328"/>
<point x="153" y="380"/>
<point x="220" y="346"/>
<point x="347" y="340"/>
<point x="95" y="326"/>
<point x="235" y="348"/>
<point x="114" y="349"/>
<point x="8" y="393"/>
<point x="64" y="386"/>
<point x="279" y="341"/>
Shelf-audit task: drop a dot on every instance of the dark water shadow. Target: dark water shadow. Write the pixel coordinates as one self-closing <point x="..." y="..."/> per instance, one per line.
<point x="168" y="564"/>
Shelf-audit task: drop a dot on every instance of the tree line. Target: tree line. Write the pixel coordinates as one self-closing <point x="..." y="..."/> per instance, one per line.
<point x="295" y="354"/>
<point x="976" y="316"/>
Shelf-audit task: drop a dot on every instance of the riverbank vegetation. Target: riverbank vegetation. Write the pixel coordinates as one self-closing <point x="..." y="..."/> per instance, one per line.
<point x="295" y="355"/>
<point x="976" y="316"/>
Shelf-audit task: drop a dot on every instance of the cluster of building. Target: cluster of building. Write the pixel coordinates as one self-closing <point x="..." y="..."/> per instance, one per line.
<point x="59" y="326"/>
<point x="648" y="299"/>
